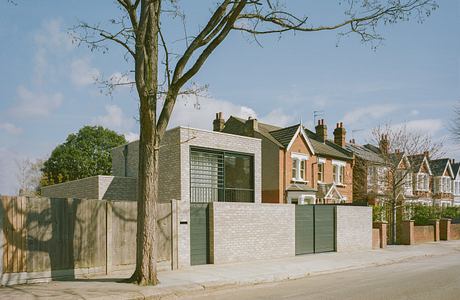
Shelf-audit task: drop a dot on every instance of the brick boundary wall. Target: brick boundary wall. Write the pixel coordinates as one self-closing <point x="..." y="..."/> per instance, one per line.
<point x="248" y="231"/>
<point x="101" y="187"/>
<point x="354" y="228"/>
<point x="415" y="234"/>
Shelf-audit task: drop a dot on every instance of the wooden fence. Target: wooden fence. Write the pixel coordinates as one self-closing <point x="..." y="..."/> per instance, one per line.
<point x="50" y="238"/>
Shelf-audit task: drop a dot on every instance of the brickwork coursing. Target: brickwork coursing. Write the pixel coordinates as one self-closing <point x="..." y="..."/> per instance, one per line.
<point x="96" y="187"/>
<point x="354" y="228"/>
<point x="174" y="177"/>
<point x="245" y="231"/>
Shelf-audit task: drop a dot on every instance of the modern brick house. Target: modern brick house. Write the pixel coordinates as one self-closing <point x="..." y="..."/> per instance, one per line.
<point x="298" y="165"/>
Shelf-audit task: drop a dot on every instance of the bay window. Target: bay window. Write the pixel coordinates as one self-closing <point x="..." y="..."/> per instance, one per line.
<point x="422" y="182"/>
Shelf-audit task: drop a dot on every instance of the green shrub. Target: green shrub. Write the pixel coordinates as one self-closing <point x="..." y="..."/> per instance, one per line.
<point x="378" y="213"/>
<point x="423" y="215"/>
<point x="450" y="212"/>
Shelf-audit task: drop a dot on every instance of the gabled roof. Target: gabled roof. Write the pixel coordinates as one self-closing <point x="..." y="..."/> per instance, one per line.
<point x="286" y="136"/>
<point x="439" y="166"/>
<point x="417" y="160"/>
<point x="283" y="136"/>
<point x="455" y="169"/>
<point x="327" y="190"/>
<point x="364" y="153"/>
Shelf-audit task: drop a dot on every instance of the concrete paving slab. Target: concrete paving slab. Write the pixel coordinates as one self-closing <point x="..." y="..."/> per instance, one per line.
<point x="213" y="277"/>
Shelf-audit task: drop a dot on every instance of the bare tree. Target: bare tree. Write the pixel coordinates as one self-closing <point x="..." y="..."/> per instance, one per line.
<point x="28" y="175"/>
<point x="401" y="150"/>
<point x="455" y="124"/>
<point x="161" y="74"/>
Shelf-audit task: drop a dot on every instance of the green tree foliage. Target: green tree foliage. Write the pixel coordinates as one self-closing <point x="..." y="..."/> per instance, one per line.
<point x="84" y="154"/>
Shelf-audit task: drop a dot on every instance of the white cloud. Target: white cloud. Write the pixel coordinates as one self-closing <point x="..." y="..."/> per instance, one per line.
<point x="35" y="104"/>
<point x="82" y="73"/>
<point x="199" y="113"/>
<point x="368" y="113"/>
<point x="115" y="119"/>
<point x="428" y="126"/>
<point x="50" y="42"/>
<point x="131" y="136"/>
<point x="278" y="117"/>
<point x="10" y="128"/>
<point x="414" y="112"/>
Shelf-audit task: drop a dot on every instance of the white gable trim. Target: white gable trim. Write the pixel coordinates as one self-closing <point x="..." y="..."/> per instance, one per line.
<point x="333" y="188"/>
<point x="425" y="161"/>
<point x="406" y="160"/>
<point x="449" y="167"/>
<point x="307" y="140"/>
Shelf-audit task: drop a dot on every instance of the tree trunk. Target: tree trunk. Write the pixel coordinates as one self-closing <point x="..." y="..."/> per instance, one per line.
<point x="394" y="225"/>
<point x="146" y="254"/>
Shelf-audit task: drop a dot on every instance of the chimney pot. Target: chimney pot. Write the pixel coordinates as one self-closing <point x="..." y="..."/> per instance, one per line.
<point x="219" y="122"/>
<point x="340" y="135"/>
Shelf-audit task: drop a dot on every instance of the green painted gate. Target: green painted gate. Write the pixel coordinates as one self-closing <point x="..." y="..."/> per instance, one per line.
<point x="324" y="228"/>
<point x="199" y="233"/>
<point x="304" y="229"/>
<point x="314" y="228"/>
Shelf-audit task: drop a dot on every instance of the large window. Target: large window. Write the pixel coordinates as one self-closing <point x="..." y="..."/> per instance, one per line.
<point x="445" y="186"/>
<point x="299" y="162"/>
<point x="321" y="171"/>
<point x="338" y="170"/>
<point x="221" y="176"/>
<point x="422" y="182"/>
<point x="456" y="188"/>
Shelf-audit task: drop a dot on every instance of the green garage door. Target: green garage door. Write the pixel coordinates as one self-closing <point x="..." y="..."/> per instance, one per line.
<point x="199" y="233"/>
<point x="304" y="229"/>
<point x="324" y="228"/>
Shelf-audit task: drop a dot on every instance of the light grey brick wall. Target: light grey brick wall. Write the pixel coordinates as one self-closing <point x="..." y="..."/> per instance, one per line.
<point x="354" y="228"/>
<point x="246" y="231"/>
<point x="174" y="177"/>
<point x="86" y="188"/>
<point x="97" y="187"/>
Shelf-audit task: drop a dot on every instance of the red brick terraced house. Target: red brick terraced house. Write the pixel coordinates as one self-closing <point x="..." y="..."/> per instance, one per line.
<point x="298" y="166"/>
<point x="443" y="176"/>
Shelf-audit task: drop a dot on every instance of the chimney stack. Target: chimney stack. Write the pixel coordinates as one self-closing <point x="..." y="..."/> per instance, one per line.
<point x="340" y="135"/>
<point x="384" y="144"/>
<point x="321" y="130"/>
<point x="250" y="126"/>
<point x="218" y="123"/>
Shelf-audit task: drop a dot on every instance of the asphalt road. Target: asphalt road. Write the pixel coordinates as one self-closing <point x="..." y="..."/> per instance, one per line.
<point x="424" y="278"/>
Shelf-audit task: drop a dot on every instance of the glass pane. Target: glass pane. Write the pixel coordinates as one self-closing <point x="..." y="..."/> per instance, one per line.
<point x="238" y="171"/>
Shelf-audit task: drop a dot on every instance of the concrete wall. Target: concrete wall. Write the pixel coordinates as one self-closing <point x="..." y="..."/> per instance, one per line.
<point x="245" y="231"/>
<point x="97" y="187"/>
<point x="354" y="228"/>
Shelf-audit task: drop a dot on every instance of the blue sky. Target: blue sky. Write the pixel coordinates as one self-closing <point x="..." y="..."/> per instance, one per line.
<point x="48" y="91"/>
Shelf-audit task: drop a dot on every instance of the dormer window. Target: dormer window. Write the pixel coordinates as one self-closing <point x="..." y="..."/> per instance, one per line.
<point x="299" y="162"/>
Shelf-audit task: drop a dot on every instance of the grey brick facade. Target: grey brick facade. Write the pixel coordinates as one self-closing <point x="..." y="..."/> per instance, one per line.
<point x="354" y="228"/>
<point x="247" y="231"/>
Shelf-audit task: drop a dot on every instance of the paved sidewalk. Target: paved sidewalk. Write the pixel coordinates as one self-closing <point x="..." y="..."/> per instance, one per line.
<point x="208" y="277"/>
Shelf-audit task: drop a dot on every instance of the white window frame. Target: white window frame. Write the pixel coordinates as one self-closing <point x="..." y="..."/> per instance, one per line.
<point x="408" y="184"/>
<point x="423" y="184"/>
<point x="445" y="184"/>
<point x="297" y="158"/>
<point x="339" y="176"/>
<point x="322" y="162"/>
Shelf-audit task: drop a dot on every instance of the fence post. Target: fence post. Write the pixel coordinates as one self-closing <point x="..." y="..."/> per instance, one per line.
<point x="444" y="228"/>
<point x="436" y="229"/>
<point x="382" y="227"/>
<point x="108" y="237"/>
<point x="407" y="232"/>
